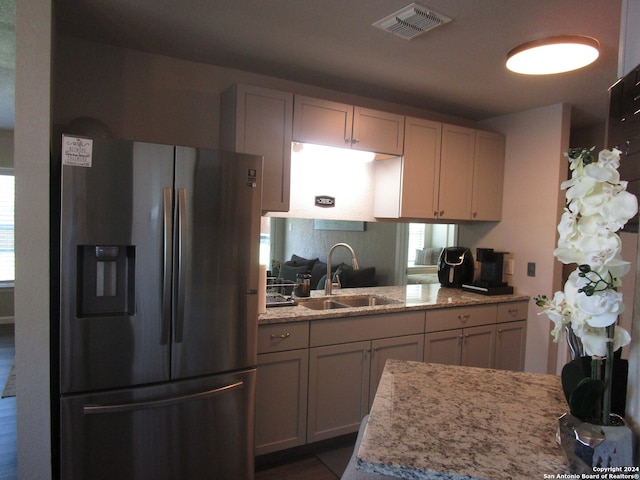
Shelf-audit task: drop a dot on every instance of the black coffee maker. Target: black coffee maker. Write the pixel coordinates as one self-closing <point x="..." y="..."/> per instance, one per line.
<point x="491" y="270"/>
<point x="455" y="267"/>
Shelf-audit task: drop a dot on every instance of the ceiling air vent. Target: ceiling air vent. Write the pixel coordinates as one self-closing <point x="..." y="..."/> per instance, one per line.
<point x="411" y="21"/>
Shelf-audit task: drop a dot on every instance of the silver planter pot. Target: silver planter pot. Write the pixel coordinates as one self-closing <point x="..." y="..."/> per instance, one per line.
<point x="587" y="446"/>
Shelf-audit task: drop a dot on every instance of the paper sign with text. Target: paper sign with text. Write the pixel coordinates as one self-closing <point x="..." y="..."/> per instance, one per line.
<point x="76" y="151"/>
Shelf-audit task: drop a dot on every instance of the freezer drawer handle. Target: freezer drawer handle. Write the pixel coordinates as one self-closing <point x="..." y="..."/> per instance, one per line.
<point x="165" y="402"/>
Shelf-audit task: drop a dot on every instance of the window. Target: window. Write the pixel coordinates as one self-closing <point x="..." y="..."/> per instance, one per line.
<point x="426" y="241"/>
<point x="7" y="215"/>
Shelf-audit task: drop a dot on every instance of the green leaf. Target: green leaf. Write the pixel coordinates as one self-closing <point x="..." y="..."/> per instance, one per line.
<point x="572" y="375"/>
<point x="585" y="398"/>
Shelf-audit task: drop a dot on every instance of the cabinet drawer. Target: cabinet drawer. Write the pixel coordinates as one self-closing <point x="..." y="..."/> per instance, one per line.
<point x="283" y="336"/>
<point x="460" y="317"/>
<point x="354" y="329"/>
<point x="510" y="312"/>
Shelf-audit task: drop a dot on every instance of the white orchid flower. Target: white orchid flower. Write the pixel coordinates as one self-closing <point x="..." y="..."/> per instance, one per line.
<point x="610" y="158"/>
<point x="594" y="340"/>
<point x="601" y="308"/>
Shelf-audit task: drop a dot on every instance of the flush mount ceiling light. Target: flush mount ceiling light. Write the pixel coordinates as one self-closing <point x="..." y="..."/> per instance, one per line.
<point x="553" y="55"/>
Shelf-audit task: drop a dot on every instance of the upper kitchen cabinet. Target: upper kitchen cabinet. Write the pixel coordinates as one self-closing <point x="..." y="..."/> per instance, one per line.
<point x="259" y="121"/>
<point x="407" y="186"/>
<point x="447" y="173"/>
<point x="456" y="173"/>
<point x="488" y="174"/>
<point x="336" y="124"/>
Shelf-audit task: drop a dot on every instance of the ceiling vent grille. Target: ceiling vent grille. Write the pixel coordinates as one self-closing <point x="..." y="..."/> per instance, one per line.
<point x="411" y="21"/>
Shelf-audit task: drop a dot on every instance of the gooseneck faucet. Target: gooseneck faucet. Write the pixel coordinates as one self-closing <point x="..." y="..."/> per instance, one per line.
<point x="329" y="281"/>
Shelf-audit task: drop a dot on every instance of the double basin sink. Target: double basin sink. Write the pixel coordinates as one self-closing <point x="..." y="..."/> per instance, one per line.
<point x="351" y="301"/>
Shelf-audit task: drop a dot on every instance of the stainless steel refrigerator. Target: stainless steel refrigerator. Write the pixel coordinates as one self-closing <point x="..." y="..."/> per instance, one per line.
<point x="158" y="311"/>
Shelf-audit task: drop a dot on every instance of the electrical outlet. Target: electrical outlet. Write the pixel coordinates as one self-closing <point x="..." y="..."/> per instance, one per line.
<point x="531" y="269"/>
<point x="508" y="266"/>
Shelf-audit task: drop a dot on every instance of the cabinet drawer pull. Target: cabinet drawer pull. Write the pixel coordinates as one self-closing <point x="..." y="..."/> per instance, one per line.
<point x="283" y="335"/>
<point x="463" y="318"/>
<point x="513" y="311"/>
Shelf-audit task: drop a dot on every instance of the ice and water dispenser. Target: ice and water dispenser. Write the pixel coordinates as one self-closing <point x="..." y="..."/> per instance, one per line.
<point x="106" y="280"/>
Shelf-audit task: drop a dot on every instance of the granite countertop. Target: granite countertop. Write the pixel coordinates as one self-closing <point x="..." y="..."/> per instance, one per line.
<point x="432" y="421"/>
<point x="410" y="297"/>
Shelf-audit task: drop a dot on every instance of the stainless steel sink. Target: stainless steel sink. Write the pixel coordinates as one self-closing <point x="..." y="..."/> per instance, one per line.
<point x="365" y="301"/>
<point x="339" y="301"/>
<point x="321" y="304"/>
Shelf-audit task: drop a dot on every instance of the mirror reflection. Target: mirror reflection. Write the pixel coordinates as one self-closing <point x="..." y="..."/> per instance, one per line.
<point x="388" y="253"/>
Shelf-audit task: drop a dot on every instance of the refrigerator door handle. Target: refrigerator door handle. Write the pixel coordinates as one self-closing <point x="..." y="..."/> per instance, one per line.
<point x="166" y="267"/>
<point x="165" y="402"/>
<point x="182" y="241"/>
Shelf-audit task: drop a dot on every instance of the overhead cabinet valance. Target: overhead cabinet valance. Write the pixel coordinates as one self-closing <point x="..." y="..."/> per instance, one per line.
<point x="324" y="122"/>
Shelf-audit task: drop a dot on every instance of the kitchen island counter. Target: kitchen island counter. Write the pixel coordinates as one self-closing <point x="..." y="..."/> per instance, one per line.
<point x="431" y="421"/>
<point x="406" y="298"/>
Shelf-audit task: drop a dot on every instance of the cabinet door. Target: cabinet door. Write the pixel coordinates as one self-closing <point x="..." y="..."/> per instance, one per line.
<point x="456" y="172"/>
<point x="478" y="346"/>
<point x="488" y="173"/>
<point x="259" y="121"/>
<point x="398" y="348"/>
<point x="338" y="389"/>
<point x="443" y="347"/>
<point x="376" y="131"/>
<point x="281" y="400"/>
<point x="420" y="169"/>
<point x="322" y="122"/>
<point x="510" y="345"/>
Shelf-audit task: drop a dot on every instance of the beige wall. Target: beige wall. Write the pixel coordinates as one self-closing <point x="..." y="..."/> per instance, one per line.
<point x="160" y="99"/>
<point x="533" y="172"/>
<point x="32" y="154"/>
<point x="6" y="148"/>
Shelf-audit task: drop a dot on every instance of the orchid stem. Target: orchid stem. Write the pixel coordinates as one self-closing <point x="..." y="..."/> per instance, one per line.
<point x="608" y="375"/>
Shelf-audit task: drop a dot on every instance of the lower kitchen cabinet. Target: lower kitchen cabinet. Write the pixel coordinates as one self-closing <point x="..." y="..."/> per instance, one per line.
<point x="281" y="400"/>
<point x="281" y="386"/>
<point x="471" y="347"/>
<point x="410" y="347"/>
<point x="510" y="345"/>
<point x="338" y="389"/>
<point x="343" y="380"/>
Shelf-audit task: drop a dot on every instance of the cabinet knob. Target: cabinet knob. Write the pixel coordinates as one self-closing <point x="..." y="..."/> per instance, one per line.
<point x="347" y="140"/>
<point x="283" y="335"/>
<point x="463" y="318"/>
<point x="441" y="212"/>
<point x="475" y="214"/>
<point x="355" y="140"/>
<point x="435" y="213"/>
<point x="513" y="312"/>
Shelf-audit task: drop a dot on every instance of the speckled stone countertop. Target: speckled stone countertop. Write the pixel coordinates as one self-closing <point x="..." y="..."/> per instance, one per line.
<point x="432" y="421"/>
<point x="410" y="297"/>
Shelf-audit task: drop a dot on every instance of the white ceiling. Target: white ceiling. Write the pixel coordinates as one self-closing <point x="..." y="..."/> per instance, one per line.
<point x="457" y="68"/>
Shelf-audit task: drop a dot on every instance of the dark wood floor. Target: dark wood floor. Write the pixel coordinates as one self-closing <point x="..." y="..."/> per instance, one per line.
<point x="8" y="454"/>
